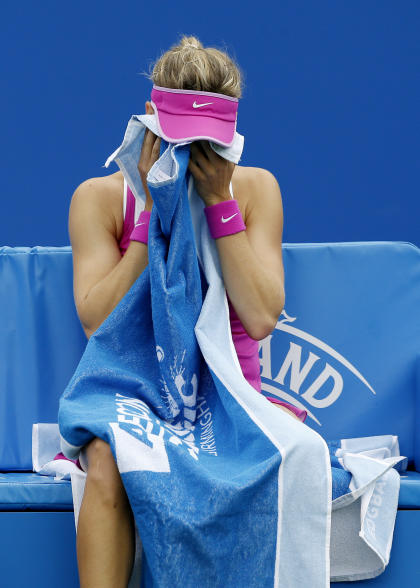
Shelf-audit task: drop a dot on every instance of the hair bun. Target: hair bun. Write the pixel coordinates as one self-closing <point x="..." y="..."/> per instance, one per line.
<point x="191" y="42"/>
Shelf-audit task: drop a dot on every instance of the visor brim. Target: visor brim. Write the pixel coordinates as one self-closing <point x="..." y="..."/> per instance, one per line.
<point x="180" y="128"/>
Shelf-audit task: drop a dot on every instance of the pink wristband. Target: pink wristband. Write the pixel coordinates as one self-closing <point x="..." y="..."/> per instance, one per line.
<point x="141" y="228"/>
<point x="224" y="218"/>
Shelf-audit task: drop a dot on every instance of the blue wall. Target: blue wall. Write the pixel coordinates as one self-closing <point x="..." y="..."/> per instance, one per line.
<point x="331" y="105"/>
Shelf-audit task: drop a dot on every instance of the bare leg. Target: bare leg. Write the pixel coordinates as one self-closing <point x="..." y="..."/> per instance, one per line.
<point x="106" y="537"/>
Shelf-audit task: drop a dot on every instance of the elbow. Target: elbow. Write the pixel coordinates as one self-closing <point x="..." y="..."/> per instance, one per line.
<point x="261" y="330"/>
<point x="89" y="328"/>
<point x="84" y="319"/>
<point x="264" y="326"/>
<point x="86" y="328"/>
<point x="88" y="332"/>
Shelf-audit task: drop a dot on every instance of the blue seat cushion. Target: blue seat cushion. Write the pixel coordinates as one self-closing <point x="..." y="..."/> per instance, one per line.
<point x="409" y="490"/>
<point x="31" y="491"/>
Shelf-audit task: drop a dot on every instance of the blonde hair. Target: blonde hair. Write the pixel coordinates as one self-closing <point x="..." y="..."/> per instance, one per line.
<point x="190" y="66"/>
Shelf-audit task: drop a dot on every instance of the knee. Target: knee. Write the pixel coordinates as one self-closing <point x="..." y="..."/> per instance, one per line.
<point x="102" y="469"/>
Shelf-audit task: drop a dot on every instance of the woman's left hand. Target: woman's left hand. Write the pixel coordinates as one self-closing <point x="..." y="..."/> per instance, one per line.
<point x="212" y="173"/>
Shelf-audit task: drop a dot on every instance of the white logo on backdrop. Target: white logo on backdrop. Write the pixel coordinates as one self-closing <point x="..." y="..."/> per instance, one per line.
<point x="298" y="374"/>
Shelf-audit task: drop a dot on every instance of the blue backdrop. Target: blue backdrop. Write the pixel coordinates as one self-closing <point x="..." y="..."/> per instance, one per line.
<point x="330" y="105"/>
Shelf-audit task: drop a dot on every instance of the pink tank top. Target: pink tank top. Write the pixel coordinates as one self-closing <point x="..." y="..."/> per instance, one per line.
<point x="246" y="348"/>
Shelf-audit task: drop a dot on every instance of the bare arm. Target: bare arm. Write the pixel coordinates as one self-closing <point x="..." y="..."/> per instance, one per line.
<point x="251" y="260"/>
<point x="101" y="277"/>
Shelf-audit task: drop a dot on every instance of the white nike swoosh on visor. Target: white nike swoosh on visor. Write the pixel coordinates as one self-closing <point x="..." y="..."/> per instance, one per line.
<point x="195" y="105"/>
<point x="225" y="220"/>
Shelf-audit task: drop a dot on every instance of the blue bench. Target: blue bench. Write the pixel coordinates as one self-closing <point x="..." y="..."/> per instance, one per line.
<point x="346" y="348"/>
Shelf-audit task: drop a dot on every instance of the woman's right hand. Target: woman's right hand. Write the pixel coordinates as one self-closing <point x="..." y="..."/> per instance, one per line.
<point x="149" y="155"/>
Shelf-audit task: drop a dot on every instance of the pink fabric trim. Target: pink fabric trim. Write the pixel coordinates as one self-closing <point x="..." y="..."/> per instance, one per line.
<point x="62" y="456"/>
<point x="246" y="349"/>
<point x="141" y="228"/>
<point x="199" y="92"/>
<point x="128" y="224"/>
<point x="301" y="414"/>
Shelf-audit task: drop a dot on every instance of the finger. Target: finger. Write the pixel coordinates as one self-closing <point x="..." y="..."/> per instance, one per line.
<point x="146" y="141"/>
<point x="199" y="158"/>
<point x="196" y="171"/>
<point x="146" y="151"/>
<point x="149" y="137"/>
<point x="156" y="148"/>
<point x="198" y="148"/>
<point x="204" y="147"/>
<point x="209" y="151"/>
<point x="147" y="147"/>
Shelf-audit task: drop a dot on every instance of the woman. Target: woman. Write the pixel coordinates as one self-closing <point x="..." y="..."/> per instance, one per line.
<point x="106" y="262"/>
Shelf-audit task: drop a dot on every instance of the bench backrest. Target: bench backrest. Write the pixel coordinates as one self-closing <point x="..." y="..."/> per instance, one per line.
<point x="345" y="347"/>
<point x="41" y="342"/>
<point x="347" y="344"/>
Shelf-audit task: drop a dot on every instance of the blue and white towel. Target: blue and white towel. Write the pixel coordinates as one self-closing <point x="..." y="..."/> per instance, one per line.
<point x="364" y="502"/>
<point x="366" y="484"/>
<point x="226" y="489"/>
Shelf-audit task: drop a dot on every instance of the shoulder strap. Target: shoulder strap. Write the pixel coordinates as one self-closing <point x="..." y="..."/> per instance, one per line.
<point x="231" y="190"/>
<point x="132" y="206"/>
<point x="125" y="198"/>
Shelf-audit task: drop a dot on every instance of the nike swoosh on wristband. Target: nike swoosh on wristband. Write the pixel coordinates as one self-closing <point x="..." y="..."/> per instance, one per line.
<point x="225" y="220"/>
<point x="195" y="105"/>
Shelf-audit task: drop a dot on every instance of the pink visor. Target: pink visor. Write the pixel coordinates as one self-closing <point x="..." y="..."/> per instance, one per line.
<point x="189" y="115"/>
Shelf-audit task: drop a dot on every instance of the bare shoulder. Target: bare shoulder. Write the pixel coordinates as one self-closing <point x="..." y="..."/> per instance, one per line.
<point x="101" y="197"/>
<point x="253" y="187"/>
<point x="260" y="192"/>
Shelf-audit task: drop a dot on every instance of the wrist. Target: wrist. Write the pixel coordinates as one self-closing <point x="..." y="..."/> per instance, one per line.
<point x="216" y="198"/>
<point x="224" y="218"/>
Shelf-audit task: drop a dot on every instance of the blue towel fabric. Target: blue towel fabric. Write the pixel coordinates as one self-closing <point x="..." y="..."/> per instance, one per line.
<point x="225" y="488"/>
